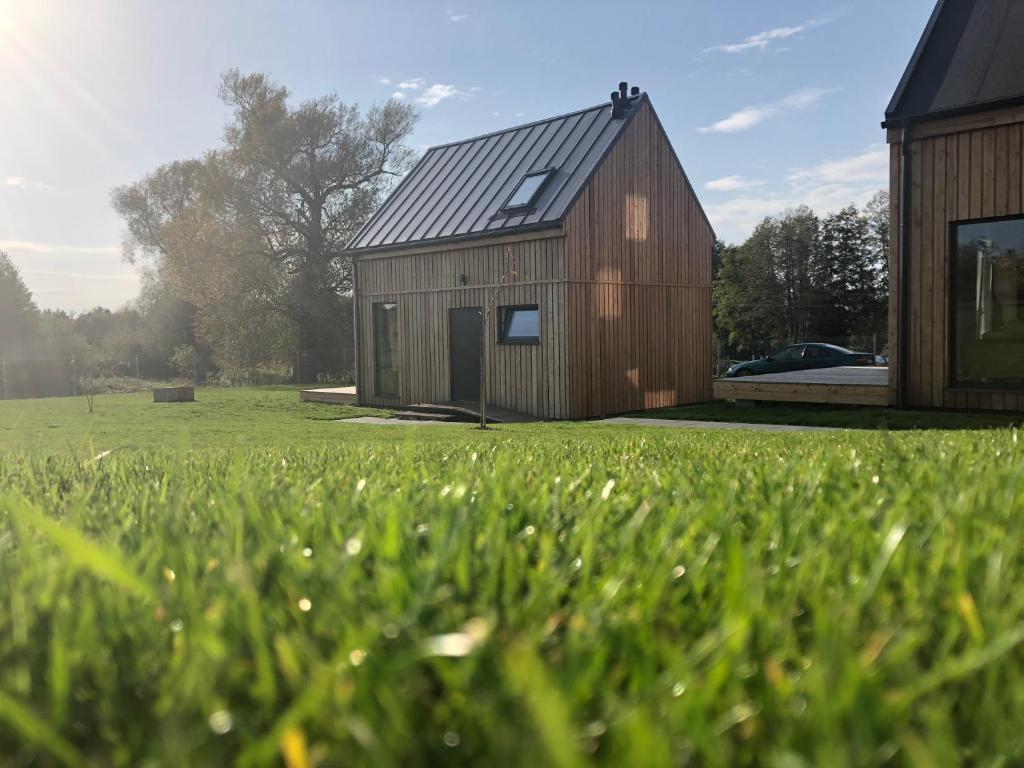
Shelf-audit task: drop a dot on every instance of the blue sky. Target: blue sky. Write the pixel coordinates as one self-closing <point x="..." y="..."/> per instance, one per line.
<point x="768" y="103"/>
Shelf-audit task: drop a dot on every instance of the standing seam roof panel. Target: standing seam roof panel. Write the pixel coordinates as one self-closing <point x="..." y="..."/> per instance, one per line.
<point x="547" y="159"/>
<point x="457" y="189"/>
<point x="456" y="221"/>
<point x="456" y="179"/>
<point x="529" y="164"/>
<point x="430" y="194"/>
<point x="494" y="147"/>
<point x="968" y="60"/>
<point x="406" y="191"/>
<point x="563" y="174"/>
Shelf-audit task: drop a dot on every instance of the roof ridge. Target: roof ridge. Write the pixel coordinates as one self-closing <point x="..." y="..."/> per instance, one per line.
<point x="531" y="124"/>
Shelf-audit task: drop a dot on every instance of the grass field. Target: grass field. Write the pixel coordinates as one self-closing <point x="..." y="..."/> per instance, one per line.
<point x="841" y="417"/>
<point x="247" y="582"/>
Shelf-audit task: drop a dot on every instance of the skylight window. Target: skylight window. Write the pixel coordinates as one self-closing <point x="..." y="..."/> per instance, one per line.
<point x="524" y="195"/>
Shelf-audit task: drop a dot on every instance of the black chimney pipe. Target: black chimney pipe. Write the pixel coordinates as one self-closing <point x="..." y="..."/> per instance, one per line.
<point x="634" y="91"/>
<point x="616" y="105"/>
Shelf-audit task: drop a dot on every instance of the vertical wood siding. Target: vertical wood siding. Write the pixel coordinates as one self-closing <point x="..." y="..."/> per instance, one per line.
<point x="967" y="173"/>
<point x="639" y="282"/>
<point x="527" y="378"/>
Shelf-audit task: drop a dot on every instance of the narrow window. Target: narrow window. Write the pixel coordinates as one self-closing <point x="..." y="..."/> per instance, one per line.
<point x="385" y="348"/>
<point x="519" y="325"/>
<point x="987" y="317"/>
<point x="527" y="191"/>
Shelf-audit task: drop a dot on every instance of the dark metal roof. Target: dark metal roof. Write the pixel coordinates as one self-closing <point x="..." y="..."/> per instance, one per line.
<point x="456" y="190"/>
<point x="968" y="60"/>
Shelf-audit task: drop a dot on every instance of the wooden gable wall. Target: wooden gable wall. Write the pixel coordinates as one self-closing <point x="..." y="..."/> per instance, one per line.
<point x="638" y="250"/>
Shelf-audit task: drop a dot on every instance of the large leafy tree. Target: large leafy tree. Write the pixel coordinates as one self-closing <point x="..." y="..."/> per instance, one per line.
<point x="253" y="234"/>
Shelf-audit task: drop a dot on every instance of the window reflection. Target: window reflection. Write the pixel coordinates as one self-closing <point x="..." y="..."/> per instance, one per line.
<point x="988" y="303"/>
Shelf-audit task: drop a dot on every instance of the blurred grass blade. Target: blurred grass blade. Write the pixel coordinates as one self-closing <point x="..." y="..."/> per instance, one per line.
<point x="79" y="550"/>
<point x="36" y="731"/>
<point x="963" y="665"/>
<point x="550" y="714"/>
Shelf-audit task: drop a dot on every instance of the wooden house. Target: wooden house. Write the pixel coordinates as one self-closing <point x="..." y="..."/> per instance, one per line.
<point x="955" y="128"/>
<point x="605" y="254"/>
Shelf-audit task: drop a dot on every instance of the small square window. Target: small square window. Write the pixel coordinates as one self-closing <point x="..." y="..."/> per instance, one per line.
<point x="527" y="191"/>
<point x="519" y="325"/>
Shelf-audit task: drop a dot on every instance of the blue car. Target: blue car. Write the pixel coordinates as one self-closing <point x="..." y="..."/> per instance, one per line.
<point x="801" y="357"/>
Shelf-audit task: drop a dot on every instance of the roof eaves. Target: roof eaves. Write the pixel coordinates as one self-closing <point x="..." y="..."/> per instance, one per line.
<point x="966" y="109"/>
<point x="442" y="241"/>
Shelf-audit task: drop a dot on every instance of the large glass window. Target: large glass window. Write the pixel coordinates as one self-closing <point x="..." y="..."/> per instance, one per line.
<point x="519" y="325"/>
<point x="385" y="348"/>
<point x="988" y="304"/>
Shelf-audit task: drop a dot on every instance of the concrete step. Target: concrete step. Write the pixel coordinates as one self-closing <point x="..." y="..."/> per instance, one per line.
<point x="410" y="415"/>
<point x="453" y="412"/>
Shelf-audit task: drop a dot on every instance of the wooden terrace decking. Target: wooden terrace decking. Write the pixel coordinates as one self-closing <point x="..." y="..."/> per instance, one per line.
<point x="846" y="385"/>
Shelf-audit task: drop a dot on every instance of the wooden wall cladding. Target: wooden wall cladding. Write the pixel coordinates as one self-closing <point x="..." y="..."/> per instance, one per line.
<point x="639" y="269"/>
<point x="969" y="173"/>
<point x="527" y="378"/>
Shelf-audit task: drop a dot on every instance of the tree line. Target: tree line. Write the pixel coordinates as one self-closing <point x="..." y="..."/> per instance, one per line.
<point x="801" y="277"/>
<point x="42" y="350"/>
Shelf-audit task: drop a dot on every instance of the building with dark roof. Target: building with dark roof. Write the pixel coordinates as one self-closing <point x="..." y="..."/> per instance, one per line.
<point x="578" y="238"/>
<point x="955" y="128"/>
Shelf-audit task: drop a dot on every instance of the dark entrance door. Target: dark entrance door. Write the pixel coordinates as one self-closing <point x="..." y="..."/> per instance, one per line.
<point x="464" y="329"/>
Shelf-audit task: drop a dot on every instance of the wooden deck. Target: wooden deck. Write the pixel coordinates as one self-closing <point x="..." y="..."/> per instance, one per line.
<point x="330" y="395"/>
<point x="847" y="385"/>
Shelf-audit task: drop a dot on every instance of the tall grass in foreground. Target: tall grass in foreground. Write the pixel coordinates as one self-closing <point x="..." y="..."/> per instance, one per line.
<point x="526" y="597"/>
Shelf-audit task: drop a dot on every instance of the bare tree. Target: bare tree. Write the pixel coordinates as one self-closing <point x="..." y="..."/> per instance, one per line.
<point x="509" y="270"/>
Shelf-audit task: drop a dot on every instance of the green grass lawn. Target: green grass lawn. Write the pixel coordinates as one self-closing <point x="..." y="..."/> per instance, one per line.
<point x="843" y="417"/>
<point x="219" y="418"/>
<point x="248" y="583"/>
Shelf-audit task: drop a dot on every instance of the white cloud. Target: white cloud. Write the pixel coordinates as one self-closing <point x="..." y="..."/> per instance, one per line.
<point x="732" y="184"/>
<point x="20" y="182"/>
<point x="411" y="85"/>
<point x="397" y="95"/>
<point x="746" y="118"/>
<point x="455" y="18"/>
<point x="438" y="92"/>
<point x="385" y="81"/>
<point x="762" y="40"/>
<point x="741" y="120"/>
<point x="825" y="187"/>
<point x="872" y="165"/>
<point x="759" y="41"/>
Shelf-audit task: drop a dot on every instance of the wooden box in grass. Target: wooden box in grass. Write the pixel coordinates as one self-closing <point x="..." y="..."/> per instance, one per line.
<point x="174" y="395"/>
